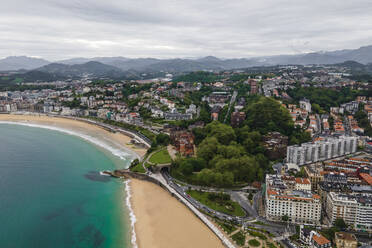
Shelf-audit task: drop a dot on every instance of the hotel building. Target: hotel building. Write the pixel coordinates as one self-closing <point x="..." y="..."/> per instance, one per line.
<point x="301" y="206"/>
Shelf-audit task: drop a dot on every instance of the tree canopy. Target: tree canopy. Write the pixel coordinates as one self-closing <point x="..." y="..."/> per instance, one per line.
<point x="228" y="156"/>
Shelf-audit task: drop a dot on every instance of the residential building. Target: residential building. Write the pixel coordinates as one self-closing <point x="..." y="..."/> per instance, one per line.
<point x="312" y="238"/>
<point x="177" y="116"/>
<point x="355" y="210"/>
<point x="303" y="184"/>
<point x="254" y="87"/>
<point x="319" y="241"/>
<point x="345" y="240"/>
<point x="351" y="107"/>
<point x="320" y="150"/>
<point x="300" y="206"/>
<point x="305" y="104"/>
<point x="237" y="119"/>
<point x="183" y="141"/>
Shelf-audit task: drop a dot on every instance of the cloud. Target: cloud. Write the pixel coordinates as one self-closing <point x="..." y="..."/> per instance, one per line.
<point x="56" y="29"/>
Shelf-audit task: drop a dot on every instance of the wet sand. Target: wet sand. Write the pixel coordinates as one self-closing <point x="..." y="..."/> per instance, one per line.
<point x="164" y="222"/>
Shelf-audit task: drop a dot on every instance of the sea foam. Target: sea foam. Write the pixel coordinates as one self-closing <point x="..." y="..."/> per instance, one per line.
<point x="132" y="216"/>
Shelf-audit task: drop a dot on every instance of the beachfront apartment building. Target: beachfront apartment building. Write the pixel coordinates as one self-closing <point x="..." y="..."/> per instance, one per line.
<point x="323" y="149"/>
<point x="300" y="206"/>
<point x="355" y="210"/>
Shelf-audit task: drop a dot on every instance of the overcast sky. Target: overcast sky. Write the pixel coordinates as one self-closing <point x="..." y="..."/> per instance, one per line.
<point x="58" y="29"/>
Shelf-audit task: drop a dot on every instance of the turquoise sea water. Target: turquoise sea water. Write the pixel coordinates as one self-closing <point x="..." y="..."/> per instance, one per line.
<point x="51" y="194"/>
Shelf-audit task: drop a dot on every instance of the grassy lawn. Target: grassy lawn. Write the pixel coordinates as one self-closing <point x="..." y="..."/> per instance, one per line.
<point x="222" y="205"/>
<point x="260" y="223"/>
<point x="138" y="168"/>
<point x="161" y="157"/>
<point x="147" y="165"/>
<point x="257" y="234"/>
<point x="254" y="243"/>
<point x="239" y="238"/>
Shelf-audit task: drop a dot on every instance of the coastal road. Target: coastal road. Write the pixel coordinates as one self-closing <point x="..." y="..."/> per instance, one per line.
<point x="197" y="204"/>
<point x="278" y="229"/>
<point x="281" y="231"/>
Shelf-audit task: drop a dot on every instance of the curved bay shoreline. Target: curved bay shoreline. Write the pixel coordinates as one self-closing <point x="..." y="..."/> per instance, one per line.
<point x="159" y="220"/>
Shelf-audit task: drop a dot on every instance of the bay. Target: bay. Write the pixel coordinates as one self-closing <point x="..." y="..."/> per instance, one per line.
<point x="51" y="193"/>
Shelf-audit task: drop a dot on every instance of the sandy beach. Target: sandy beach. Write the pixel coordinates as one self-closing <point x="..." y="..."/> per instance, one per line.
<point x="164" y="222"/>
<point x="77" y="126"/>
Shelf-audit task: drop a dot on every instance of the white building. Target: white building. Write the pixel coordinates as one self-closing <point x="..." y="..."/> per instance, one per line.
<point x="355" y="210"/>
<point x="305" y="104"/>
<point x="303" y="184"/>
<point x="47" y="108"/>
<point x="321" y="150"/>
<point x="300" y="206"/>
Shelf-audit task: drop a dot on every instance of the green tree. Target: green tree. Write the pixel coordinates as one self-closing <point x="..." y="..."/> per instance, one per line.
<point x="285" y="218"/>
<point x="162" y="139"/>
<point x="340" y="223"/>
<point x="208" y="148"/>
<point x="268" y="115"/>
<point x="224" y="133"/>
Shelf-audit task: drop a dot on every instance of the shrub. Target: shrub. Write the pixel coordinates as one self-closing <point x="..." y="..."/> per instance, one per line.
<point x="254" y="242"/>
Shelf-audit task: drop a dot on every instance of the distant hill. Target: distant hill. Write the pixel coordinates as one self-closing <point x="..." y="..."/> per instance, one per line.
<point x="117" y="65"/>
<point x="14" y="63"/>
<point x="361" y="55"/>
<point x="91" y="68"/>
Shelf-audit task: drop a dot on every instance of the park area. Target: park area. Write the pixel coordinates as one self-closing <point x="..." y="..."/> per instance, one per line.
<point x="160" y="157"/>
<point x="218" y="201"/>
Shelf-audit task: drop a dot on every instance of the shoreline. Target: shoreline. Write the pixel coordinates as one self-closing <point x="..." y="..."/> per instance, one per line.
<point x="172" y="225"/>
<point x="79" y="129"/>
<point x="164" y="222"/>
<point x="88" y="131"/>
<point x="132" y="216"/>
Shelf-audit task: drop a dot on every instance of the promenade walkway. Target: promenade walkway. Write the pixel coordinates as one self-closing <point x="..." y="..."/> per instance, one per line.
<point x="200" y="215"/>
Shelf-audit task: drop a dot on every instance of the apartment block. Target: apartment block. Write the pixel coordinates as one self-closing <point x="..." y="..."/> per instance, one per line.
<point x="326" y="148"/>
<point x="355" y="210"/>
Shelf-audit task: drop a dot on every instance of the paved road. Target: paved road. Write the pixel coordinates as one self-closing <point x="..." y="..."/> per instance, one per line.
<point x="197" y="204"/>
<point x="240" y="198"/>
<point x="232" y="100"/>
<point x="277" y="229"/>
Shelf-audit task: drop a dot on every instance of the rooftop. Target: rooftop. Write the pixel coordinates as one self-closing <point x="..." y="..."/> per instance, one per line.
<point x="345" y="236"/>
<point x="301" y="180"/>
<point x="320" y="239"/>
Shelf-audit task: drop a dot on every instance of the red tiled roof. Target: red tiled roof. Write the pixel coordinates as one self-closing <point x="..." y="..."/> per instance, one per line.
<point x="366" y="177"/>
<point x="301" y="180"/>
<point x="320" y="239"/>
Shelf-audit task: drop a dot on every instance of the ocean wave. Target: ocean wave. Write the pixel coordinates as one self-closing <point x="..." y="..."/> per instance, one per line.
<point x="131" y="214"/>
<point x="115" y="151"/>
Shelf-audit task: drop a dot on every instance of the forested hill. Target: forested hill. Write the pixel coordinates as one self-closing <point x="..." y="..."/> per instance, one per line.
<point x="227" y="156"/>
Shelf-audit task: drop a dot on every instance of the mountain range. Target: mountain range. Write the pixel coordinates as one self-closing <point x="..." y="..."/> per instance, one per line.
<point x="118" y="66"/>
